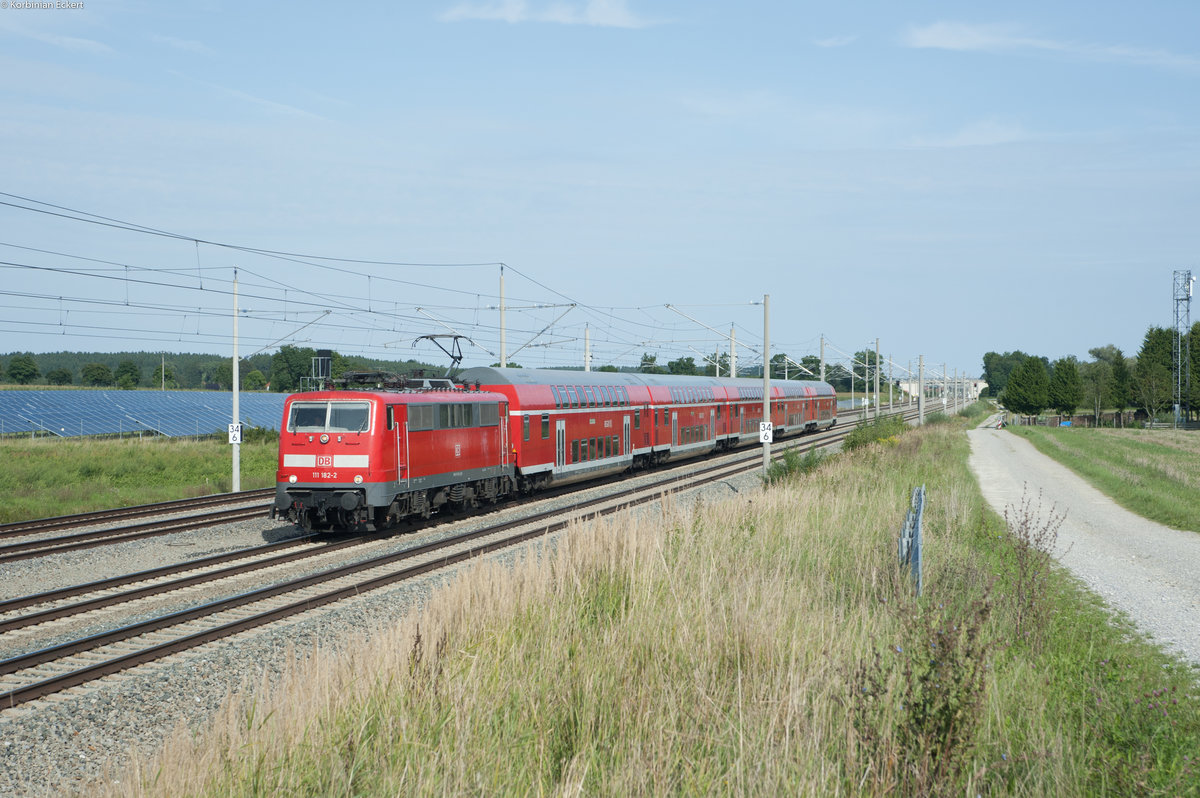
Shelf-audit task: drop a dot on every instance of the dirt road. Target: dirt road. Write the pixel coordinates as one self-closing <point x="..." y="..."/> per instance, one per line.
<point x="1149" y="571"/>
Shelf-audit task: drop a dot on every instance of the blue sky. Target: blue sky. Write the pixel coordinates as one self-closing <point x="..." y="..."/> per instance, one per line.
<point x="950" y="178"/>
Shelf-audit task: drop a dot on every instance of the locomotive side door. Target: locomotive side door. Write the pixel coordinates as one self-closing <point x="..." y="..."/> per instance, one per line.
<point x="560" y="443"/>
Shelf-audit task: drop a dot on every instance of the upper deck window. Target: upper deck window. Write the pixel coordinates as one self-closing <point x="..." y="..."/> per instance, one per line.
<point x="329" y="417"/>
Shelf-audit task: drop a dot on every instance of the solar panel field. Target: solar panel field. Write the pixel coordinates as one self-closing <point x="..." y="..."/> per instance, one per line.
<point x="100" y="412"/>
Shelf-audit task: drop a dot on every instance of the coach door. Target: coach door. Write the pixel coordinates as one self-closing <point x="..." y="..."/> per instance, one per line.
<point x="560" y="443"/>
<point x="628" y="444"/>
<point x="504" y="448"/>
<point x="674" y="428"/>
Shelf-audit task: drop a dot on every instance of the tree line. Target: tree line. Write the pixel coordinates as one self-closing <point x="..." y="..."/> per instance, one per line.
<point x="283" y="371"/>
<point x="1030" y="384"/>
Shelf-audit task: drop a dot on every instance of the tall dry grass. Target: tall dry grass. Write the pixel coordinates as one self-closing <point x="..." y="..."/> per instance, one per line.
<point x="766" y="646"/>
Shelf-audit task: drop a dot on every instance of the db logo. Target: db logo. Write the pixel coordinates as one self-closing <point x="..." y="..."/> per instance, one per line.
<point x="325" y="461"/>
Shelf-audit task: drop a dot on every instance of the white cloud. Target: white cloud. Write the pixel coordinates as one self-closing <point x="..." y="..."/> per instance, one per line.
<point x="271" y="106"/>
<point x="984" y="133"/>
<point x="994" y="38"/>
<point x="181" y="44"/>
<point x="836" y="41"/>
<point x="733" y="105"/>
<point x="599" y="13"/>
<point x="73" y="43"/>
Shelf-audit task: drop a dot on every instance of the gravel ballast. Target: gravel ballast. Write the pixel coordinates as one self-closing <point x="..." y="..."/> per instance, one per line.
<point x="65" y="744"/>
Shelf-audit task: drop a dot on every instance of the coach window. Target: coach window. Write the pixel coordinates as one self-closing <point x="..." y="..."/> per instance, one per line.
<point x="637" y="419"/>
<point x="554" y="393"/>
<point x="545" y="426"/>
<point x="525" y="427"/>
<point x="666" y="418"/>
<point x="570" y="396"/>
<point x="574" y="451"/>
<point x="592" y="448"/>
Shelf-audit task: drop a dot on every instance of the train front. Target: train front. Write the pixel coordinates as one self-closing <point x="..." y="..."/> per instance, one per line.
<point x="328" y="453"/>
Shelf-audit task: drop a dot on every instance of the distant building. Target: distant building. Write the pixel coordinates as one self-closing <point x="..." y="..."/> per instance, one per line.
<point x="933" y="388"/>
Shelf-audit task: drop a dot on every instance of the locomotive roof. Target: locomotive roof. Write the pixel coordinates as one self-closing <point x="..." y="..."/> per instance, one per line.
<point x="487" y="375"/>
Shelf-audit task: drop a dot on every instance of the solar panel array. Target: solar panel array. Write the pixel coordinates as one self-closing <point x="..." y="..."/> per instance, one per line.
<point x="171" y="413"/>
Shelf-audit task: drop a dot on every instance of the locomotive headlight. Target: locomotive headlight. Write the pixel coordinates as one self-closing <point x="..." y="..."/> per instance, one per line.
<point x="324" y="439"/>
<point x="292" y="478"/>
<point x="358" y="479"/>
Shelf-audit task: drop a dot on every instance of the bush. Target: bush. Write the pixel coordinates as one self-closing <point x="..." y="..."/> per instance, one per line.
<point x="868" y="432"/>
<point x="793" y="463"/>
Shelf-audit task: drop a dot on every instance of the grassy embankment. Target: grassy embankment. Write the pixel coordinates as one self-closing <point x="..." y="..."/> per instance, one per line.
<point x="1154" y="473"/>
<point x="54" y="476"/>
<point x="766" y="644"/>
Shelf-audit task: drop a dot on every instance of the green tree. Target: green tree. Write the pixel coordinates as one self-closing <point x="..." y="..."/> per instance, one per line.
<point x="1097" y="386"/>
<point x="608" y="368"/>
<point x="1066" y="390"/>
<point x="23" y="369"/>
<point x="1028" y="390"/>
<point x="649" y="364"/>
<point x="998" y="368"/>
<point x="60" y="377"/>
<point x="837" y="376"/>
<point x="222" y="375"/>
<point x="157" y="380"/>
<point x="128" y="375"/>
<point x="1122" y="384"/>
<point x="289" y="365"/>
<point x="96" y="374"/>
<point x="684" y="365"/>
<point x="1153" y="386"/>
<point x="254" y="381"/>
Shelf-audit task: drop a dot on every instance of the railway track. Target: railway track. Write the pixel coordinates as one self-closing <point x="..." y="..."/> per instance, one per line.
<point x="55" y="668"/>
<point x="58" y="523"/>
<point x="40" y="547"/>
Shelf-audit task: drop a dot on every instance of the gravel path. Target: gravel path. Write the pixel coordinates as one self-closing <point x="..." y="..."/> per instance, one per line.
<point x="1138" y="566"/>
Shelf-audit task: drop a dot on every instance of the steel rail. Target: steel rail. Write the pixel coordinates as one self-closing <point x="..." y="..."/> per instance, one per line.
<point x="19" y="528"/>
<point x="617" y="501"/>
<point x="101" y="537"/>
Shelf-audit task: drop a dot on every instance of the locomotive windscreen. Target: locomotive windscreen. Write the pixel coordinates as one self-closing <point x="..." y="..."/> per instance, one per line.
<point x="329" y="417"/>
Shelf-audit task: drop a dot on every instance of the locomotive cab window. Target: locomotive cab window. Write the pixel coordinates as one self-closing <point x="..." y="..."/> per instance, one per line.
<point x="329" y="417"/>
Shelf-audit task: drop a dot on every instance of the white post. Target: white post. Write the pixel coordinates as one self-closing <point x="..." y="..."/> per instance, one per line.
<point x="766" y="379"/>
<point x="822" y="357"/>
<point x="732" y="352"/>
<point x="503" y="341"/>
<point x="237" y="415"/>
<point x="921" y="391"/>
<point x="877" y="408"/>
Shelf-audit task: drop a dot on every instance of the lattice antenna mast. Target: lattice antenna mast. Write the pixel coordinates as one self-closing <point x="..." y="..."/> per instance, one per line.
<point x="1182" y="355"/>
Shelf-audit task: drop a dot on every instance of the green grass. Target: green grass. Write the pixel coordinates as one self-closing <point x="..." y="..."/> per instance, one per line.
<point x="767" y="644"/>
<point x="54" y="476"/>
<point x="1154" y="473"/>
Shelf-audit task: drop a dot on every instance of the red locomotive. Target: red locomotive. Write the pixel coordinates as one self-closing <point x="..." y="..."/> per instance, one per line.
<point x="364" y="459"/>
